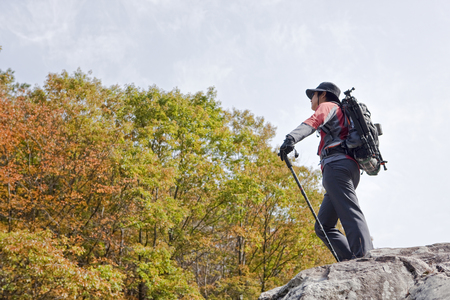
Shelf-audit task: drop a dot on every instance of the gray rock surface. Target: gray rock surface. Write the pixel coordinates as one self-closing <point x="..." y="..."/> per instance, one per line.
<point x="417" y="273"/>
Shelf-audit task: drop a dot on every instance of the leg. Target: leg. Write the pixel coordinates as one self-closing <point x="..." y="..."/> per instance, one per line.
<point x="328" y="218"/>
<point x="340" y="178"/>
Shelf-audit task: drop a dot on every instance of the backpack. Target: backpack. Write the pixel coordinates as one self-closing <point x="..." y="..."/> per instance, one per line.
<point x="362" y="140"/>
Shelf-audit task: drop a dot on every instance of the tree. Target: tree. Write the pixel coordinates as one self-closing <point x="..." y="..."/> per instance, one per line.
<point x="168" y="193"/>
<point x="35" y="266"/>
<point x="270" y="232"/>
<point x="69" y="166"/>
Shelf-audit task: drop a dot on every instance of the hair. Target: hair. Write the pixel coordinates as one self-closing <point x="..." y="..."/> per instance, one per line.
<point x="331" y="97"/>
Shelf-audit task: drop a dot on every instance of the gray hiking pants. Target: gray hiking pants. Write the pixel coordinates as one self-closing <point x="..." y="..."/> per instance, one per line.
<point x="340" y="179"/>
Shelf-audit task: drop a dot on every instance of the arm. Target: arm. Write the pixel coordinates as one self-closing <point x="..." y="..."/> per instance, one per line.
<point x="321" y="116"/>
<point x="298" y="134"/>
<point x="302" y="131"/>
<point x="323" y="113"/>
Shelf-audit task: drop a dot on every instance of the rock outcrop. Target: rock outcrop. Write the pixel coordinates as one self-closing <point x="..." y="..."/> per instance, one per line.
<point x="419" y="273"/>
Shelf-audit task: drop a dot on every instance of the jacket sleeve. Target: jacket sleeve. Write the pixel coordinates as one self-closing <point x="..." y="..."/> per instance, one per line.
<point x="322" y="115"/>
<point x="302" y="131"/>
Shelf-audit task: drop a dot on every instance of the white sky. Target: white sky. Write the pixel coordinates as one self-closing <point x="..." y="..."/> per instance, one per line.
<point x="261" y="55"/>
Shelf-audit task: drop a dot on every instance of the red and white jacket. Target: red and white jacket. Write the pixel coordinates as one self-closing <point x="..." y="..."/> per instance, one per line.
<point x="329" y="121"/>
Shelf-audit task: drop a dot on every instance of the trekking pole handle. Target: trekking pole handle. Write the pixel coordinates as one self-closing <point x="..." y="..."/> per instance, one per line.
<point x="286" y="159"/>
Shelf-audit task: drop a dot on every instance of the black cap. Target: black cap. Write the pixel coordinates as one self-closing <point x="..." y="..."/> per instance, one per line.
<point x="325" y="87"/>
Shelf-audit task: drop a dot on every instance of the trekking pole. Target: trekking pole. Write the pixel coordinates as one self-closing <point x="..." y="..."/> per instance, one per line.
<point x="289" y="165"/>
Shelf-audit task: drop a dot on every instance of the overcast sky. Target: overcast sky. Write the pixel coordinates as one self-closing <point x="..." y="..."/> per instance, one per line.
<point x="262" y="55"/>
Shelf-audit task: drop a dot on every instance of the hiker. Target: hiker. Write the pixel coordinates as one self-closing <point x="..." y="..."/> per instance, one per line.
<point x="340" y="172"/>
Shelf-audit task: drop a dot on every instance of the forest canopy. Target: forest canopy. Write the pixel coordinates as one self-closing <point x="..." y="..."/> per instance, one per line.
<point x="133" y="193"/>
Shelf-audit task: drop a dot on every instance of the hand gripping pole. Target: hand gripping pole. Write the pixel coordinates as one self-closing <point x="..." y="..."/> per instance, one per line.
<point x="289" y="165"/>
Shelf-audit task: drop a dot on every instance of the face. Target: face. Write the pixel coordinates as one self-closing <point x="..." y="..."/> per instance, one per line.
<point x="315" y="101"/>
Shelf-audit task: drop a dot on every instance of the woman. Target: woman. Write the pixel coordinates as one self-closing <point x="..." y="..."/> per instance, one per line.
<point x="340" y="174"/>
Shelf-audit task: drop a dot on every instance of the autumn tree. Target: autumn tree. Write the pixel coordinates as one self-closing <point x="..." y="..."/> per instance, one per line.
<point x="69" y="166"/>
<point x="268" y="230"/>
<point x="35" y="266"/>
<point x="153" y="194"/>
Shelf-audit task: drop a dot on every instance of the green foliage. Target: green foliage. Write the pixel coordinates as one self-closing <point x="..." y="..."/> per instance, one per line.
<point x="7" y="85"/>
<point x="163" y="279"/>
<point x="34" y="266"/>
<point x="149" y="194"/>
<point x="245" y="286"/>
